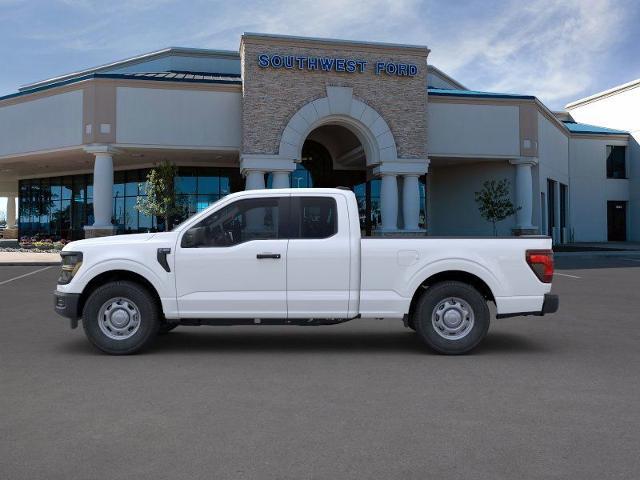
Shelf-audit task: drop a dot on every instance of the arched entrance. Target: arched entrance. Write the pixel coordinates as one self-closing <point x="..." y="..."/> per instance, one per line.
<point x="338" y="140"/>
<point x="333" y="156"/>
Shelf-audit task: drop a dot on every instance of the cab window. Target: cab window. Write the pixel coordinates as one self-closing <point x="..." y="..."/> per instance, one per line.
<point x="240" y="222"/>
<point x="317" y="217"/>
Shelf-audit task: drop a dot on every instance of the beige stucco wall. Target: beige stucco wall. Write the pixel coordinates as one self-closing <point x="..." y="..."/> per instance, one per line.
<point x="590" y="189"/>
<point x="459" y="129"/>
<point x="620" y="110"/>
<point x="45" y="123"/>
<point x="272" y="96"/>
<point x="178" y="117"/>
<point x="453" y="209"/>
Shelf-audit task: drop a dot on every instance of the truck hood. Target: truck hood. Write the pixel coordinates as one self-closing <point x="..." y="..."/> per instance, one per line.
<point x="128" y="239"/>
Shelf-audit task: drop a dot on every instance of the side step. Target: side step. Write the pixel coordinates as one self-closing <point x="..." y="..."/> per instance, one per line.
<point x="227" y="322"/>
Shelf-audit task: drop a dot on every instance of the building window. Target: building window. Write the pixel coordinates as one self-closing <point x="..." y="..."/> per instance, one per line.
<point x="60" y="207"/>
<point x="368" y="198"/>
<point x="301" y="178"/>
<point x="200" y="187"/>
<point x="50" y="207"/>
<point x="616" y="163"/>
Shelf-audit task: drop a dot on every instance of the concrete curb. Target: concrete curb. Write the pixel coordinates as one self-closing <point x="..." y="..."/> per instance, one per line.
<point x="29" y="264"/>
<point x="30" y="259"/>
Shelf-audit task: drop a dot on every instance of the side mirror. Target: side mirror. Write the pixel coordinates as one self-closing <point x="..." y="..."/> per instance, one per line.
<point x="189" y="238"/>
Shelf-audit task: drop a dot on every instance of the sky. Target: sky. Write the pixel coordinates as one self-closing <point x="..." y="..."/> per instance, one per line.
<point x="557" y="50"/>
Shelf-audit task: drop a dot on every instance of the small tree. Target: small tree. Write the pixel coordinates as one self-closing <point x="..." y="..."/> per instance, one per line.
<point x="494" y="202"/>
<point x="161" y="199"/>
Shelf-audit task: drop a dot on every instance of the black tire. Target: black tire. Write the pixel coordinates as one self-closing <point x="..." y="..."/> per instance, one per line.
<point x="166" y="327"/>
<point x="449" y="292"/>
<point x="148" y="317"/>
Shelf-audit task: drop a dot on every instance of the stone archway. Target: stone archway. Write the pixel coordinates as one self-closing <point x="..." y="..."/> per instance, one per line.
<point x="339" y="107"/>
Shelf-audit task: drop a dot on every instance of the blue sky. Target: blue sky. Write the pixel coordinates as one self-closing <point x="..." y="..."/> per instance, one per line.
<point x="557" y="50"/>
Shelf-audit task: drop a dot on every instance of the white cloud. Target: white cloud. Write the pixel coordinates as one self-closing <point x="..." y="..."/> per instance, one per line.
<point x="542" y="47"/>
<point x="547" y="48"/>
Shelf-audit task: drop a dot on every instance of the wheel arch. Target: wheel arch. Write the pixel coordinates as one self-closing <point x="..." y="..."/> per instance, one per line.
<point x="455" y="276"/>
<point x="114" y="276"/>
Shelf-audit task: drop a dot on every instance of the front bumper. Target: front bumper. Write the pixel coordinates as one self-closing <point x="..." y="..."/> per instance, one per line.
<point x="67" y="305"/>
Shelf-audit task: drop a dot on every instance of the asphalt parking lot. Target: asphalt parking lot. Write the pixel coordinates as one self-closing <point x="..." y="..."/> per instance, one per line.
<point x="550" y="397"/>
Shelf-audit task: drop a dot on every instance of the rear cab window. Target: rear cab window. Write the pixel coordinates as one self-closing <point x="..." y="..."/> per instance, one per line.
<point x="313" y="217"/>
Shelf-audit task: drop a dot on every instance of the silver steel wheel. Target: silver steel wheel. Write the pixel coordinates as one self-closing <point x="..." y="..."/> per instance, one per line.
<point x="452" y="318"/>
<point x="119" y="318"/>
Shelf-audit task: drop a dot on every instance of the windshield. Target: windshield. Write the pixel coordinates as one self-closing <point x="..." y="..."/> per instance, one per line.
<point x="177" y="227"/>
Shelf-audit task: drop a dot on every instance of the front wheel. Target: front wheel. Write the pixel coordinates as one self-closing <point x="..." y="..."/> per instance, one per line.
<point x="452" y="317"/>
<point x="120" y="318"/>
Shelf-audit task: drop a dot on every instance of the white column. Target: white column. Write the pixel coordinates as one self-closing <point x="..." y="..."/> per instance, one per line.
<point x="11" y="212"/>
<point x="103" y="190"/>
<point x="254" y="180"/>
<point x="411" y="202"/>
<point x="280" y="180"/>
<point x="389" y="202"/>
<point x="524" y="193"/>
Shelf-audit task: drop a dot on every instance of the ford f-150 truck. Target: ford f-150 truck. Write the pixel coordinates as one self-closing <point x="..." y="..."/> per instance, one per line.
<point x="296" y="257"/>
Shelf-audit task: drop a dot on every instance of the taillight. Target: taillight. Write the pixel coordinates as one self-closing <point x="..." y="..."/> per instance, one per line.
<point x="541" y="262"/>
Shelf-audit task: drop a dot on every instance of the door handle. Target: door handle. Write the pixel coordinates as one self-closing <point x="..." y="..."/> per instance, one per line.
<point x="261" y="256"/>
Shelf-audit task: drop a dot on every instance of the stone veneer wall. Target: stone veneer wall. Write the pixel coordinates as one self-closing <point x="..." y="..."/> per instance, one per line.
<point x="272" y="96"/>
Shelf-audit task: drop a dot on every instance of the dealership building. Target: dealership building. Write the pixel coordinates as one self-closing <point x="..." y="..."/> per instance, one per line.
<point x="413" y="143"/>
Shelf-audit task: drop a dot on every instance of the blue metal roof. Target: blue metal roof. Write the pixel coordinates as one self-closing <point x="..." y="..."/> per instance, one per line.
<point x="585" y="128"/>
<point x="444" y="92"/>
<point x="180" y="75"/>
<point x="165" y="52"/>
<point x="188" y="77"/>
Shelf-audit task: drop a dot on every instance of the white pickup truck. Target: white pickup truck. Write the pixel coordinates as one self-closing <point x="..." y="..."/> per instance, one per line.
<point x="295" y="257"/>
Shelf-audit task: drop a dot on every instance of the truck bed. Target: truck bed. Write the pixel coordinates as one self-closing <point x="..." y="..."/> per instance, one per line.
<point x="392" y="269"/>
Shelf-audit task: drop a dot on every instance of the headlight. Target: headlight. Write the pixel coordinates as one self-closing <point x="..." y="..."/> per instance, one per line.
<point x="71" y="262"/>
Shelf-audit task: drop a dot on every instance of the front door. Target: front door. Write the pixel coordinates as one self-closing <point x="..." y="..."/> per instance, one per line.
<point x="232" y="264"/>
<point x="617" y="221"/>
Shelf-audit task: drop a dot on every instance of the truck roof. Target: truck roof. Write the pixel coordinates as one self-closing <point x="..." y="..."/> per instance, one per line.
<point x="338" y="190"/>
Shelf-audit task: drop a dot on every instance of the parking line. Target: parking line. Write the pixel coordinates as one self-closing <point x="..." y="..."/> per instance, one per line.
<point x="25" y="275"/>
<point x="566" y="275"/>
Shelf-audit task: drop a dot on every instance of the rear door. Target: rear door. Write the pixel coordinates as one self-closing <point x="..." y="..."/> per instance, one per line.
<point x="318" y="257"/>
<point x="617" y="221"/>
<point x="232" y="264"/>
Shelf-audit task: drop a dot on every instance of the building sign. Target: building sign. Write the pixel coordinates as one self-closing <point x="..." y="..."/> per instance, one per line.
<point x="334" y="64"/>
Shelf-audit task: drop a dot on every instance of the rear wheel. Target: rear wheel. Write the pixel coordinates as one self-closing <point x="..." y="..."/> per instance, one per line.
<point x="451" y="317"/>
<point x="120" y="318"/>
